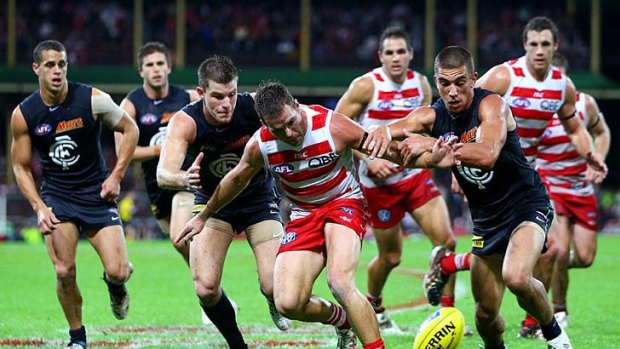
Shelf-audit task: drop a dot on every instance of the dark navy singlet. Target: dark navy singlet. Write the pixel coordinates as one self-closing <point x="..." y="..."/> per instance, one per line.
<point x="66" y="137"/>
<point x="152" y="117"/>
<point x="491" y="194"/>
<point x="223" y="147"/>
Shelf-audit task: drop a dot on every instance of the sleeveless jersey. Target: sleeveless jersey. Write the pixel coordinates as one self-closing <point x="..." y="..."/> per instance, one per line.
<point x="558" y="162"/>
<point x="152" y="117"/>
<point x="491" y="194"/>
<point x="533" y="102"/>
<point x="66" y="137"/>
<point x="312" y="173"/>
<point x="223" y="147"/>
<point x="390" y="102"/>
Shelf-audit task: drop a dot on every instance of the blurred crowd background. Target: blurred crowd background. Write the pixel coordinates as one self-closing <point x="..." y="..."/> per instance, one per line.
<point x="267" y="34"/>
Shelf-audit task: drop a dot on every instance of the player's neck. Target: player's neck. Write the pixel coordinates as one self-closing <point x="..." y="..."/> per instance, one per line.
<point x="51" y="98"/>
<point x="540" y="74"/>
<point x="397" y="79"/>
<point x="160" y="92"/>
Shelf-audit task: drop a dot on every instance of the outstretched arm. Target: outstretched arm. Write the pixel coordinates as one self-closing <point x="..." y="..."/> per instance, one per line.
<point x="230" y="186"/>
<point x="141" y="153"/>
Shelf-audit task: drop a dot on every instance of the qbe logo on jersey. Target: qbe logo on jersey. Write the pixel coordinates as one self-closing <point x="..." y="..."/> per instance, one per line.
<point x="62" y="152"/>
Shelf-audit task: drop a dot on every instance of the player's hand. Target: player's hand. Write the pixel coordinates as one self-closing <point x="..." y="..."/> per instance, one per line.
<point x="110" y="189"/>
<point x="382" y="168"/>
<point x="443" y="149"/>
<point x="597" y="169"/>
<point x="414" y="145"/>
<point x="594" y="176"/>
<point x="377" y="142"/>
<point x="46" y="221"/>
<point x="193" y="173"/>
<point x="192" y="228"/>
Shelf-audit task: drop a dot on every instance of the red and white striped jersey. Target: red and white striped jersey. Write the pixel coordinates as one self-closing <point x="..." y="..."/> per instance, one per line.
<point x="533" y="102"/>
<point x="312" y="173"/>
<point x="558" y="162"/>
<point x="390" y="101"/>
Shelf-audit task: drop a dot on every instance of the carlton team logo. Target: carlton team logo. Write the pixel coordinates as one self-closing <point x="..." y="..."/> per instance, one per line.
<point x="476" y="176"/>
<point x="159" y="137"/>
<point x="63" y="152"/>
<point x="220" y="167"/>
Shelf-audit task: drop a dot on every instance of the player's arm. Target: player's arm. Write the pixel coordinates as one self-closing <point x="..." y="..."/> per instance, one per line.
<point x="21" y="155"/>
<point x="115" y="118"/>
<point x="497" y="80"/>
<point x="426" y="89"/>
<point x="356" y="98"/>
<point x="141" y="153"/>
<point x="233" y="183"/>
<point x="181" y="133"/>
<point x="578" y="134"/>
<point x="418" y="121"/>
<point x="193" y="95"/>
<point x="598" y="127"/>
<point x="494" y="116"/>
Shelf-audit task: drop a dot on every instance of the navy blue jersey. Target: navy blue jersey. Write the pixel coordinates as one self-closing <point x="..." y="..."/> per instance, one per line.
<point x="66" y="137"/>
<point x="223" y="147"/>
<point x="152" y="117"/>
<point x="492" y="194"/>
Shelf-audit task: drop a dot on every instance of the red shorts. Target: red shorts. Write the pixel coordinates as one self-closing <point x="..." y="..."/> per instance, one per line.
<point x="308" y="233"/>
<point x="583" y="210"/>
<point x="387" y="204"/>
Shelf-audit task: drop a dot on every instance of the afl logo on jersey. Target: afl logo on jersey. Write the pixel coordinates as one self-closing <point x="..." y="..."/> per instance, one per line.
<point x="520" y="102"/>
<point x="411" y="103"/>
<point x="148" y="119"/>
<point x="476" y="176"/>
<point x="220" y="167"/>
<point x="385" y="105"/>
<point x="42" y="129"/>
<point x="62" y="152"/>
<point x="282" y="168"/>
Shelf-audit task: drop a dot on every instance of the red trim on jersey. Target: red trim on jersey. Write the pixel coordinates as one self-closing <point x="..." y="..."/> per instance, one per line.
<point x="528" y="92"/>
<point x="378" y="77"/>
<point x="305" y="153"/>
<point x="309" y="174"/>
<point x="410" y="74"/>
<point x="556" y="74"/>
<point x="518" y="71"/>
<point x="559" y="157"/>
<point x="531" y="114"/>
<point x="266" y="135"/>
<point x="530" y="151"/>
<point x="555" y="140"/>
<point x="513" y="61"/>
<point x="316" y="189"/>
<point x="318" y="121"/>
<point x="530" y="132"/>
<point x="567" y="171"/>
<point x="387" y="114"/>
<point x="390" y="95"/>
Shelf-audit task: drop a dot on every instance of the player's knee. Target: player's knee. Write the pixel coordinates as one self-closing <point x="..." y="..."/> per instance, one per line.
<point x="340" y="284"/>
<point x="449" y="242"/>
<point x="517" y="283"/>
<point x="586" y="260"/>
<point x="65" y="272"/>
<point x="208" y="293"/>
<point x="391" y="260"/>
<point x="290" y="306"/>
<point x="119" y="273"/>
<point x="486" y="314"/>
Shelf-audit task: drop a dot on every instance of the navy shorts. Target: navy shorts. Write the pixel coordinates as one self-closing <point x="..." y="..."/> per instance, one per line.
<point x="494" y="240"/>
<point x="84" y="207"/>
<point x="244" y="212"/>
<point x="161" y="203"/>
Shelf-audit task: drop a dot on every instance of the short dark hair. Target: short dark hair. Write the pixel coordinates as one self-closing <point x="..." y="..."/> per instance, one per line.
<point x="539" y="24"/>
<point x="152" y="47"/>
<point x="270" y="99"/>
<point x="217" y="68"/>
<point x="454" y="57"/>
<point x="394" y="32"/>
<point x="560" y="60"/>
<point x="46" y="45"/>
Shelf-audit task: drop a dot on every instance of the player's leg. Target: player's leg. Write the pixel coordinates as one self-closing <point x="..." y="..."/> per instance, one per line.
<point x="488" y="289"/>
<point x="523" y="250"/>
<point x="109" y="242"/>
<point x="61" y="247"/>
<point x="207" y="254"/>
<point x="264" y="239"/>
<point x="584" y="247"/>
<point x="559" y="280"/>
<point x="180" y="213"/>
<point x="434" y="220"/>
<point x="343" y="246"/>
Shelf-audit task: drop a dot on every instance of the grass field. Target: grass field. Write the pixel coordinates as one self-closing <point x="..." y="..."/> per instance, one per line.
<point x="165" y="314"/>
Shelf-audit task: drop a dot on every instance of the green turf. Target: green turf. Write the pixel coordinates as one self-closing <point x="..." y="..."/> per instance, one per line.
<point x="164" y="311"/>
